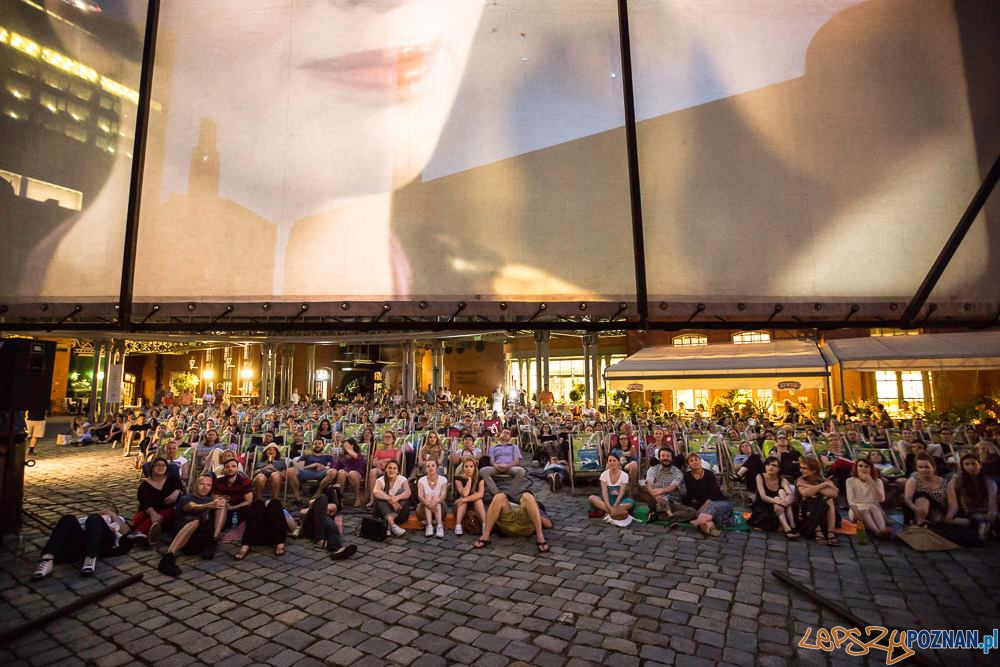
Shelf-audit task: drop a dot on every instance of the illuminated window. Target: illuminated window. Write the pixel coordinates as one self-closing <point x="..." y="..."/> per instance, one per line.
<point x="747" y="337"/>
<point x="49" y="101"/>
<point x="81" y="90"/>
<point x="691" y="398"/>
<point x="54" y="80"/>
<point x="19" y="92"/>
<point x="74" y="131"/>
<point x="78" y="112"/>
<point x="892" y="387"/>
<point x="107" y="103"/>
<point x="41" y="191"/>
<point x="894" y="332"/>
<point x="690" y="340"/>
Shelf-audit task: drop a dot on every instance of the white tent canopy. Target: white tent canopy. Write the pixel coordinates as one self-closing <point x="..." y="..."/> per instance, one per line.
<point x="922" y="352"/>
<point x="798" y="364"/>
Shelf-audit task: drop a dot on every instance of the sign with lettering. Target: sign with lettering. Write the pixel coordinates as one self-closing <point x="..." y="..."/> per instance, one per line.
<point x="790" y="384"/>
<point x="635" y="386"/>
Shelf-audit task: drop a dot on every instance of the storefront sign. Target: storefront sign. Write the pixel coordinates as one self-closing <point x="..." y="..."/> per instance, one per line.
<point x="635" y="386"/>
<point x="790" y="384"/>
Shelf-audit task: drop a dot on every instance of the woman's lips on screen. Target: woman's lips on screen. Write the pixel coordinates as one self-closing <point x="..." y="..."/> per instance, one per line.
<point x="396" y="72"/>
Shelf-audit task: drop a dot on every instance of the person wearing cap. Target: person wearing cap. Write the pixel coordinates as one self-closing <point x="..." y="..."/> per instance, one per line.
<point x="270" y="467"/>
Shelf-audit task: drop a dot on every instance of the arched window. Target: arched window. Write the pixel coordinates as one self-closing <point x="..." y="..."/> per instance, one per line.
<point x="746" y="337"/>
<point x="690" y="340"/>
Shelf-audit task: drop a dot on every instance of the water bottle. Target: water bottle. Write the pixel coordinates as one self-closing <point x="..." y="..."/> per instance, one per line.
<point x="235" y="520"/>
<point x="860" y="532"/>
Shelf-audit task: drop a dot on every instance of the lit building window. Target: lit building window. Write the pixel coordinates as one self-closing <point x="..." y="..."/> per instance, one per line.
<point x="748" y="337"/>
<point x="690" y="340"/>
<point x="66" y="197"/>
<point x="690" y="398"/>
<point x="894" y="332"/>
<point x="891" y="387"/>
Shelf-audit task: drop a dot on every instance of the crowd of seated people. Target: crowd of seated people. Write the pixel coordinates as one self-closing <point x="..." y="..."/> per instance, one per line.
<point x="212" y="468"/>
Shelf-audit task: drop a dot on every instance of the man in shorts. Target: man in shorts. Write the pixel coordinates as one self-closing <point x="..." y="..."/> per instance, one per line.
<point x="521" y="519"/>
<point x="36" y="428"/>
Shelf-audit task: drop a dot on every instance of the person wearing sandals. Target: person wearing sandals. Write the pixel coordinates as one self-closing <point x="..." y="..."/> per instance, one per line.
<point x="266" y="526"/>
<point x="664" y="490"/>
<point x="319" y="525"/>
<point x="200" y="519"/>
<point x="817" y="509"/>
<point x="925" y="495"/>
<point x="715" y="512"/>
<point x="865" y="495"/>
<point x="389" y="495"/>
<point x="772" y="505"/>
<point x="84" y="538"/>
<point x="470" y="490"/>
<point x="614" y="501"/>
<point x="521" y="519"/>
<point x="972" y="498"/>
<point x="351" y="464"/>
<point x="431" y="490"/>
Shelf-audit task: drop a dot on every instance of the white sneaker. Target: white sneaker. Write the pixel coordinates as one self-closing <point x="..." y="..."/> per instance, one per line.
<point x="440" y="531"/>
<point x="429" y="530"/>
<point x="397" y="531"/>
<point x="89" y="565"/>
<point x="43" y="570"/>
<point x="458" y="529"/>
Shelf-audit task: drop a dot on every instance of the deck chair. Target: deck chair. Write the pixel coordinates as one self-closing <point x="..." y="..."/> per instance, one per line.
<point x="819" y="445"/>
<point x="585" y="457"/>
<point x="894" y="467"/>
<point x="706" y="446"/>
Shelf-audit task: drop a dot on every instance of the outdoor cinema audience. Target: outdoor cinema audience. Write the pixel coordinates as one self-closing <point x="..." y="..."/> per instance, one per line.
<point x="456" y="459"/>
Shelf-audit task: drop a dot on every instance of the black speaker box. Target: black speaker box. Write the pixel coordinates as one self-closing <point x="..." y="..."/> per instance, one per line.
<point x="26" y="373"/>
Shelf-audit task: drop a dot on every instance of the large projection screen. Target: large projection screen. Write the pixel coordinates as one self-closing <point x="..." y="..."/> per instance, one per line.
<point x="67" y="125"/>
<point x="802" y="152"/>
<point x="317" y="150"/>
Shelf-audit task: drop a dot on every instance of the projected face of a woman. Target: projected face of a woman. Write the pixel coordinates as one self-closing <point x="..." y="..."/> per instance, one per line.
<point x="315" y="101"/>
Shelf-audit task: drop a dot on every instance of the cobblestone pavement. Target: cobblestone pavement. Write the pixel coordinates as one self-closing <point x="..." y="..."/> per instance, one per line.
<point x="604" y="595"/>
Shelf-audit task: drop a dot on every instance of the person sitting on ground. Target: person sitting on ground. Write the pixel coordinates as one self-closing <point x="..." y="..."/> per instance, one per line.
<point x="318" y="524"/>
<point x="614" y="502"/>
<point x="313" y="466"/>
<point x="715" y="512"/>
<point x="520" y="519"/>
<point x="556" y="471"/>
<point x="925" y="495"/>
<point x="470" y="491"/>
<point x="199" y="519"/>
<point x="972" y="498"/>
<point x="988" y="453"/>
<point x="384" y="453"/>
<point x="865" y="495"/>
<point x="431" y="490"/>
<point x="390" y="493"/>
<point x="748" y="465"/>
<point x="101" y="534"/>
<point x="817" y="508"/>
<point x="505" y="458"/>
<point x="157" y="495"/>
<point x="772" y="505"/>
<point x="350" y="468"/>
<point x="270" y="467"/>
<point x="664" y="490"/>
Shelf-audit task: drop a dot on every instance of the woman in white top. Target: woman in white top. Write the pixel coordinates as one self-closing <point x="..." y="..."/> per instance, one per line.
<point x="431" y="490"/>
<point x="614" y="501"/>
<point x="389" y="493"/>
<point x="865" y="495"/>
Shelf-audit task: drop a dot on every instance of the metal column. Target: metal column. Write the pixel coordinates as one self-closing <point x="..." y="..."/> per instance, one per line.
<point x="587" y="376"/>
<point x="92" y="407"/>
<point x="545" y="359"/>
<point x="310" y="387"/>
